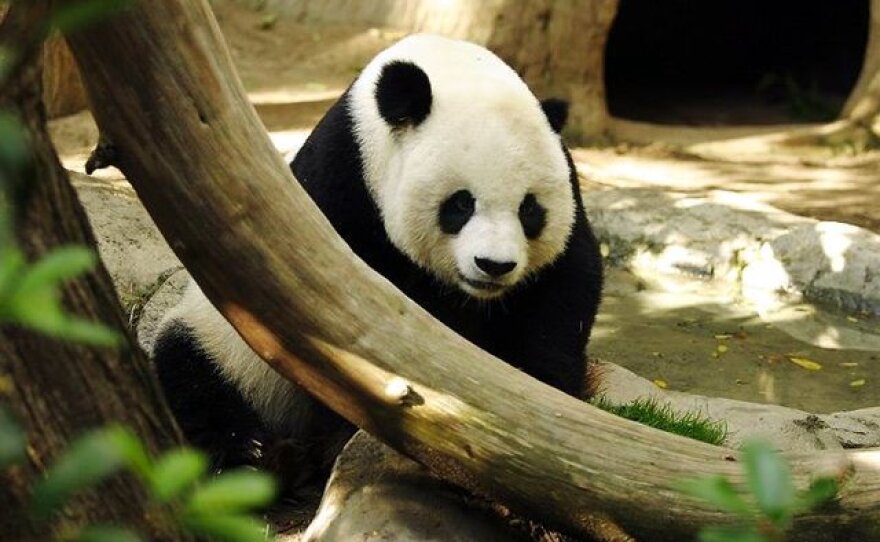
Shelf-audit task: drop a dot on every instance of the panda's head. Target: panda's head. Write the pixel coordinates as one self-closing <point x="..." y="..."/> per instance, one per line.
<point x="463" y="162"/>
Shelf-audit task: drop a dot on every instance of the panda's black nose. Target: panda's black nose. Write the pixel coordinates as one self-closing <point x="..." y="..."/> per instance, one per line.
<point x="493" y="268"/>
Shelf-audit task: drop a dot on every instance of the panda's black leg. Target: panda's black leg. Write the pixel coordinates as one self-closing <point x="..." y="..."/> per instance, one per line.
<point x="562" y="371"/>
<point x="305" y="461"/>
<point x="211" y="412"/>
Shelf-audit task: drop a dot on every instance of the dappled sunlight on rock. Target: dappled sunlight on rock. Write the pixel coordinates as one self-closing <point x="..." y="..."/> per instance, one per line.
<point x="869" y="459"/>
<point x="835" y="240"/>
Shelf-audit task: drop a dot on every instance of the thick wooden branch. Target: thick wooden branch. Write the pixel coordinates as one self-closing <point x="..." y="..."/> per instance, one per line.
<point x="165" y="91"/>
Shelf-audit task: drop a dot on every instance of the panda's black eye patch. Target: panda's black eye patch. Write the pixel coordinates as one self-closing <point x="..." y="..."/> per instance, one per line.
<point x="532" y="216"/>
<point x="456" y="211"/>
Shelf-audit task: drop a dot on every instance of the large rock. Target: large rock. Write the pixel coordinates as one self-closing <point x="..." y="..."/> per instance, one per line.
<point x="130" y="245"/>
<point x="731" y="238"/>
<point x="167" y="296"/>
<point x="376" y="494"/>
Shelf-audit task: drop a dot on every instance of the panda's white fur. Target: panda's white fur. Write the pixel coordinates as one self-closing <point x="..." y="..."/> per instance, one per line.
<point x="282" y="405"/>
<point x="511" y="152"/>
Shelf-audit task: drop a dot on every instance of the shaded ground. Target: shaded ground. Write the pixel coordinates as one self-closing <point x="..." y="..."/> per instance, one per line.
<point x="841" y="189"/>
<point x="709" y="343"/>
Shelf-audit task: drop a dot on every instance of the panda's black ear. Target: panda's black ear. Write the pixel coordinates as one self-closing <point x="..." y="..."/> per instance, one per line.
<point x="556" y="111"/>
<point x="403" y="94"/>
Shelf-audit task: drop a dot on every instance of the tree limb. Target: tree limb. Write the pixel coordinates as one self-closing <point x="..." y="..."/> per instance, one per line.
<point x="164" y="90"/>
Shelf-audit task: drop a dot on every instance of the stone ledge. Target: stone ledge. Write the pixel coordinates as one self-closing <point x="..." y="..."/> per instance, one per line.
<point x="766" y="253"/>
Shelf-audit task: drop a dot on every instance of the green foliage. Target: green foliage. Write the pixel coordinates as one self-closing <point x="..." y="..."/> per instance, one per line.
<point x="231" y="528"/>
<point x="235" y="491"/>
<point x="218" y="508"/>
<point x="30" y="295"/>
<point x="106" y="533"/>
<point x="75" y="16"/>
<point x="176" y="471"/>
<point x="13" y="441"/>
<point x="14" y="155"/>
<point x="719" y="492"/>
<point x="89" y="460"/>
<point x="649" y="412"/>
<point x="770" y="503"/>
<point x="769" y="479"/>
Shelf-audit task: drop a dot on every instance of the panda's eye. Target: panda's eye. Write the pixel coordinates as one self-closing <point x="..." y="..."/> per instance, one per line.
<point x="456" y="211"/>
<point x="532" y="216"/>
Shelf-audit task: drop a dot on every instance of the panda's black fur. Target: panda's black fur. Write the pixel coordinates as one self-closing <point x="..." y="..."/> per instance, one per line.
<point x="541" y="326"/>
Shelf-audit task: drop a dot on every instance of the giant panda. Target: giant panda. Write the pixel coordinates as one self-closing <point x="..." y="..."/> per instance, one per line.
<point x="446" y="175"/>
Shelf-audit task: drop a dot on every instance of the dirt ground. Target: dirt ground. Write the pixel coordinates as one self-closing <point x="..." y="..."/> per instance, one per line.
<point x="294" y="72"/>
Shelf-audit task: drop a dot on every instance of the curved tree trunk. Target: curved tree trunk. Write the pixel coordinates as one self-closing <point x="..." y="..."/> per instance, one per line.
<point x="60" y="389"/>
<point x="859" y="122"/>
<point x="864" y="100"/>
<point x="205" y="169"/>
<point x="558" y="47"/>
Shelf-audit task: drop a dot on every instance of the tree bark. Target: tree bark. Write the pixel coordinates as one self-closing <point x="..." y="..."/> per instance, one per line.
<point x="859" y="122"/>
<point x="60" y="389"/>
<point x="63" y="90"/>
<point x="205" y="169"/>
<point x="558" y="47"/>
<point x="863" y="106"/>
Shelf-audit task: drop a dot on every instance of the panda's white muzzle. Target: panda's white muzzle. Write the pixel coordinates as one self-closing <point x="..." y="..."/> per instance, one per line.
<point x="490" y="253"/>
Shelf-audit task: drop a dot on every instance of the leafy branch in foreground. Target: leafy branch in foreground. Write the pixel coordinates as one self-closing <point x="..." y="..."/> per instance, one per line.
<point x="219" y="507"/>
<point x="770" y="503"/>
<point x="30" y="293"/>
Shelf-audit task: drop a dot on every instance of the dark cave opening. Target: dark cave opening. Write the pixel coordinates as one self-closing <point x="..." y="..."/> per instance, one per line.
<point x="734" y="62"/>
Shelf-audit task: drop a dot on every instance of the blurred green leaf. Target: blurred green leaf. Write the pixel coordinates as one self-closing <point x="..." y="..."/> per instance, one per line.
<point x="32" y="297"/>
<point x="89" y="460"/>
<point x="6" y="59"/>
<point x="11" y="263"/>
<point x="769" y="479"/>
<point x="820" y="491"/>
<point x="14" y="152"/>
<point x="177" y="470"/>
<point x="725" y="534"/>
<point x="73" y="16"/>
<point x="718" y="491"/>
<point x="231" y="528"/>
<point x="106" y="533"/>
<point x="132" y="450"/>
<point x="13" y="440"/>
<point x="233" y="491"/>
<point x="62" y="263"/>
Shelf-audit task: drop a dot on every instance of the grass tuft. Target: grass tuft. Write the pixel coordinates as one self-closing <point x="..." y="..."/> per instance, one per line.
<point x="649" y="412"/>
